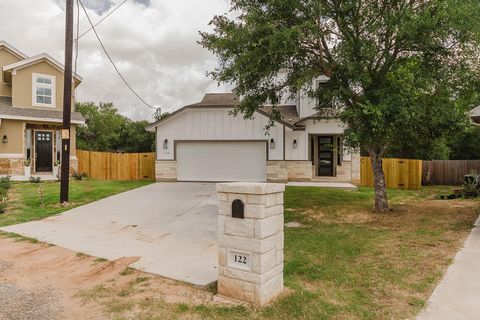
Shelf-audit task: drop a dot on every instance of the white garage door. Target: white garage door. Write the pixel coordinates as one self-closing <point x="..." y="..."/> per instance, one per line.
<point x="221" y="161"/>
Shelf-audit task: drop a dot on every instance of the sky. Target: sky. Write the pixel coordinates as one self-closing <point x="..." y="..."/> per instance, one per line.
<point x="152" y="42"/>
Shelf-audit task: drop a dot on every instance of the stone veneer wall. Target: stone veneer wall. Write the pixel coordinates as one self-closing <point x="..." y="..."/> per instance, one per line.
<point x="356" y="167"/>
<point x="344" y="172"/>
<point x="11" y="166"/>
<point x="166" y="170"/>
<point x="277" y="171"/>
<point x="299" y="170"/>
<point x="258" y="236"/>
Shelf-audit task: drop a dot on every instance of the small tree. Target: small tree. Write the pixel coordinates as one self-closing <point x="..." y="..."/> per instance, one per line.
<point x="399" y="70"/>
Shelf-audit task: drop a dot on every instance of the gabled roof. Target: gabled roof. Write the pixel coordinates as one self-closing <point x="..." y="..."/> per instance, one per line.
<point x="217" y="99"/>
<point x="288" y="113"/>
<point x="32" y="114"/>
<point x="35" y="59"/>
<point x="13" y="50"/>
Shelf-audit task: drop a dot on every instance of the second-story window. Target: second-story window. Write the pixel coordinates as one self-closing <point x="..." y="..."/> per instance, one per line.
<point x="43" y="90"/>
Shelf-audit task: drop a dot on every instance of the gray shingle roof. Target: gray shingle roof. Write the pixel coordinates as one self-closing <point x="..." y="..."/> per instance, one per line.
<point x="218" y="99"/>
<point x="288" y="113"/>
<point x="9" y="112"/>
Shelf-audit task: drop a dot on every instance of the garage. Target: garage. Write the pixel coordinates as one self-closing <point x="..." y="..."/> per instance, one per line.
<point x="221" y="161"/>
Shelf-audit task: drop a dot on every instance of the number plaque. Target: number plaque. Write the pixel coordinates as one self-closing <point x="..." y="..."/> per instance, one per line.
<point x="239" y="260"/>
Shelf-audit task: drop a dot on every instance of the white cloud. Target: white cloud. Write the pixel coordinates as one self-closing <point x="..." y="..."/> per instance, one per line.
<point x="153" y="43"/>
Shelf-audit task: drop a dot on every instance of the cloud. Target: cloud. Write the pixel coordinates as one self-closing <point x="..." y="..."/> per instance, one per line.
<point x="153" y="43"/>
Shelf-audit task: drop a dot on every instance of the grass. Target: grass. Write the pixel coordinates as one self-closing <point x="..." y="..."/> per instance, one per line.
<point x="344" y="263"/>
<point x="26" y="203"/>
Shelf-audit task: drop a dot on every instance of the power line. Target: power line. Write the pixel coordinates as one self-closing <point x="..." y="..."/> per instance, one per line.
<point x="105" y="17"/>
<point x="111" y="61"/>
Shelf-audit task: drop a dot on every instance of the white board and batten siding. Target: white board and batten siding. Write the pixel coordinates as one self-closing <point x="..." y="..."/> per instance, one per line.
<point x="216" y="124"/>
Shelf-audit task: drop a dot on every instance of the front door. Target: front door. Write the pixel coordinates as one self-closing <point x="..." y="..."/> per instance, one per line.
<point x="43" y="151"/>
<point x="325" y="156"/>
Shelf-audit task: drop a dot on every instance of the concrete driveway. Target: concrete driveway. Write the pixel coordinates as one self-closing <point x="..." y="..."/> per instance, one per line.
<point x="171" y="227"/>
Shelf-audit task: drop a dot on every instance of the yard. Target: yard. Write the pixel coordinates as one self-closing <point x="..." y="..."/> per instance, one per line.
<point x="343" y="262"/>
<point x="28" y="202"/>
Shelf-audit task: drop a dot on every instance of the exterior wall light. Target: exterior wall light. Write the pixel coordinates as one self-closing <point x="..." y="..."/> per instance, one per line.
<point x="295" y="145"/>
<point x="5" y="139"/>
<point x="272" y="144"/>
<point x="165" y="144"/>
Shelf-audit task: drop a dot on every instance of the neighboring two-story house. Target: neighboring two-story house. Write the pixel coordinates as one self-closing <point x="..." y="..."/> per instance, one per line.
<point x="204" y="142"/>
<point x="31" y="104"/>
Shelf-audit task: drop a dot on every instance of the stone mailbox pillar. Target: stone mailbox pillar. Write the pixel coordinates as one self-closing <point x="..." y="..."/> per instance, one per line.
<point x="251" y="241"/>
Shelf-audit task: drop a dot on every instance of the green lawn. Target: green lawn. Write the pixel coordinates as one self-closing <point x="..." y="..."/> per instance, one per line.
<point x="25" y="202"/>
<point x="344" y="263"/>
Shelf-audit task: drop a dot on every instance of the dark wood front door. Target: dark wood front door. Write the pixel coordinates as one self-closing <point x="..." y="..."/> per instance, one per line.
<point x="43" y="151"/>
<point x="325" y="156"/>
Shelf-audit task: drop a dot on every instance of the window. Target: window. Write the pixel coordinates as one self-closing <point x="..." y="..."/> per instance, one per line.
<point x="43" y="90"/>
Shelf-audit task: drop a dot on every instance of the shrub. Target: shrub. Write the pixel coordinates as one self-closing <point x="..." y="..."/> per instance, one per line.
<point x="79" y="176"/>
<point x="3" y="207"/>
<point x="5" y="183"/>
<point x="35" y="179"/>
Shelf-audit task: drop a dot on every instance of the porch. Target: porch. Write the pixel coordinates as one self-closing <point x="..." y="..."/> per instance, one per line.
<point x="33" y="149"/>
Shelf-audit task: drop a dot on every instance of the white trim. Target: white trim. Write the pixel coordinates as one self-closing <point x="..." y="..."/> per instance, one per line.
<point x="50" y="86"/>
<point x="39" y="119"/>
<point x="44" y="56"/>
<point x="12" y="156"/>
<point x="13" y="50"/>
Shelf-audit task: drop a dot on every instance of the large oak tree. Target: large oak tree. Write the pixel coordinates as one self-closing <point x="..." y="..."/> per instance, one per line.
<point x="399" y="70"/>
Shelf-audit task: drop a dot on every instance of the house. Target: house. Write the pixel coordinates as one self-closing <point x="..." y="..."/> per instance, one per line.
<point x="475" y="116"/>
<point x="31" y="104"/>
<point x="204" y="142"/>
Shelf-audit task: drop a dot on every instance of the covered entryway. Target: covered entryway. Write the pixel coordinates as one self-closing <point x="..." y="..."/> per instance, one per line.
<point x="222" y="161"/>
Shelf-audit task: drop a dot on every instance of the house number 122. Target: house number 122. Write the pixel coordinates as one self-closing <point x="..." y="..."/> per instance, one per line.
<point x="240" y="259"/>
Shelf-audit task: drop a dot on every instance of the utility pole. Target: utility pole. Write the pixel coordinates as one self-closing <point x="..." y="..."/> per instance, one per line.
<point x="67" y="103"/>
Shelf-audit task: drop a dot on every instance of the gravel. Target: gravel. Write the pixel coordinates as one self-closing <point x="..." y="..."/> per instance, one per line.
<point x="34" y="304"/>
<point x="4" y="266"/>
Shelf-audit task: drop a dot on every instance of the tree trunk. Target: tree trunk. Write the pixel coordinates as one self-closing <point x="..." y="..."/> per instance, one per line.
<point x="381" y="201"/>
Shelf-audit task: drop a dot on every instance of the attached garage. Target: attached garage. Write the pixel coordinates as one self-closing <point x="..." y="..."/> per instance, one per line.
<point x="221" y="161"/>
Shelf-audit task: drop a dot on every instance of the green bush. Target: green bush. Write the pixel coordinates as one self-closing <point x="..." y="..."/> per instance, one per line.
<point x="35" y="179"/>
<point x="79" y="176"/>
<point x="3" y="193"/>
<point x="5" y="183"/>
<point x="3" y="206"/>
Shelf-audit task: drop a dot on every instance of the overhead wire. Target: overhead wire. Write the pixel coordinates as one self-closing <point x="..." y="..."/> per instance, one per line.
<point x="105" y="17"/>
<point x="111" y="60"/>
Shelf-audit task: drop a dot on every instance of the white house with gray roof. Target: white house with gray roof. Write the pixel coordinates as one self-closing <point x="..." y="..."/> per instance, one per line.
<point x="205" y="142"/>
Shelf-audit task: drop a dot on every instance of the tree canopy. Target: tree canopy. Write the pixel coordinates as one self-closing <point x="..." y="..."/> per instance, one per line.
<point x="401" y="71"/>
<point x="105" y="130"/>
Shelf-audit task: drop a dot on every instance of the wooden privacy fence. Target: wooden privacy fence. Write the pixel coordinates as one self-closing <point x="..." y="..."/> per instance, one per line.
<point x="399" y="173"/>
<point x="448" y="172"/>
<point x="116" y="166"/>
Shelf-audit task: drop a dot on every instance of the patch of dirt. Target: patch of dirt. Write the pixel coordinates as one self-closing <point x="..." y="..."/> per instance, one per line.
<point x="409" y="212"/>
<point x="340" y="216"/>
<point x="83" y="286"/>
